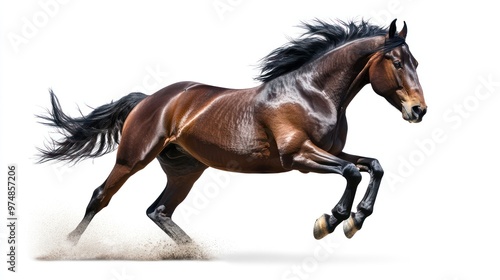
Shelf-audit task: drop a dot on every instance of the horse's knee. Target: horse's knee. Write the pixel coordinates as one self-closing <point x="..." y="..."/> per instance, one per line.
<point x="377" y="169"/>
<point x="352" y="174"/>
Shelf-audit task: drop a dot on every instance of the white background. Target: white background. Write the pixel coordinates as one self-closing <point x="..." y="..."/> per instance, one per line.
<point x="437" y="212"/>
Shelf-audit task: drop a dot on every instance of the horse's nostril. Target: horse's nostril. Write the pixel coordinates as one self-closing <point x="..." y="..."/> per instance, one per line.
<point x="416" y="110"/>
<point x="423" y="112"/>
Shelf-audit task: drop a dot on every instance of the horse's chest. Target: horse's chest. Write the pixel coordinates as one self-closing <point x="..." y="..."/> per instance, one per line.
<point x="328" y="133"/>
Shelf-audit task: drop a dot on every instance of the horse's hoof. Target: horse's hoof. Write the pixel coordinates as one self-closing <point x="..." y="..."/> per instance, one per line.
<point x="73" y="238"/>
<point x="349" y="228"/>
<point x="321" y="227"/>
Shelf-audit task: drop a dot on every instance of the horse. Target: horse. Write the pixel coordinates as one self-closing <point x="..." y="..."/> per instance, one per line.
<point x="295" y="119"/>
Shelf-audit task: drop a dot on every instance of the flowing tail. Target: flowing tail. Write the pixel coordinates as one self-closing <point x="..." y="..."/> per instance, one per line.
<point x="87" y="136"/>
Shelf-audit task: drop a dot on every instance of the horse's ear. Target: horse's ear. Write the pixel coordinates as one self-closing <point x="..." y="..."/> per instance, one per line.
<point x="392" y="29"/>
<point x="403" y="31"/>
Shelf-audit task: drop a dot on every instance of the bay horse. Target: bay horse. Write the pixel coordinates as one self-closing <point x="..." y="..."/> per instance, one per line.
<point x="294" y="120"/>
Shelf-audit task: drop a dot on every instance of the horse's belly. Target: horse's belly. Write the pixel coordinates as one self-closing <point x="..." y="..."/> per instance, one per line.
<point x="244" y="148"/>
<point x="237" y="153"/>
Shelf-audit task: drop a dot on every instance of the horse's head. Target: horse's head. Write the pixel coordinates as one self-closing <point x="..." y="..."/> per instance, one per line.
<point x="393" y="75"/>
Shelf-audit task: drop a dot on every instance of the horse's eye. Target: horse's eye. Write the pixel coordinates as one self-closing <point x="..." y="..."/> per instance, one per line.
<point x="398" y="64"/>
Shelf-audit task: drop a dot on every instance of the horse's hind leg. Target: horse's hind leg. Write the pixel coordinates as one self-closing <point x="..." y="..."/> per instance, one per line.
<point x="182" y="172"/>
<point x="130" y="159"/>
<point x="101" y="197"/>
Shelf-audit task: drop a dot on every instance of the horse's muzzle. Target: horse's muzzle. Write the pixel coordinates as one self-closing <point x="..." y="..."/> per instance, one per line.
<point x="414" y="114"/>
<point x="418" y="113"/>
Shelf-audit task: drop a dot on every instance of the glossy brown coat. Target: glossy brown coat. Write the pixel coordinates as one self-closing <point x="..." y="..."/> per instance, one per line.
<point x="296" y="121"/>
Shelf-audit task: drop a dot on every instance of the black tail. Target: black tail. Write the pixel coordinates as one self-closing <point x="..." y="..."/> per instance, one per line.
<point x="87" y="136"/>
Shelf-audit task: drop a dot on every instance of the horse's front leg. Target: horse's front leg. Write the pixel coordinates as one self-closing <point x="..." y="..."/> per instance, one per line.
<point x="365" y="207"/>
<point x="310" y="158"/>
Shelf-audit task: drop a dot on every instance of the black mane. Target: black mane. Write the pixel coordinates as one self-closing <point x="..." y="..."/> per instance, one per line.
<point x="319" y="38"/>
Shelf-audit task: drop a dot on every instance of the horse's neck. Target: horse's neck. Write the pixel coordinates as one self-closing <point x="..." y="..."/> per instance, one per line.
<point x="345" y="71"/>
